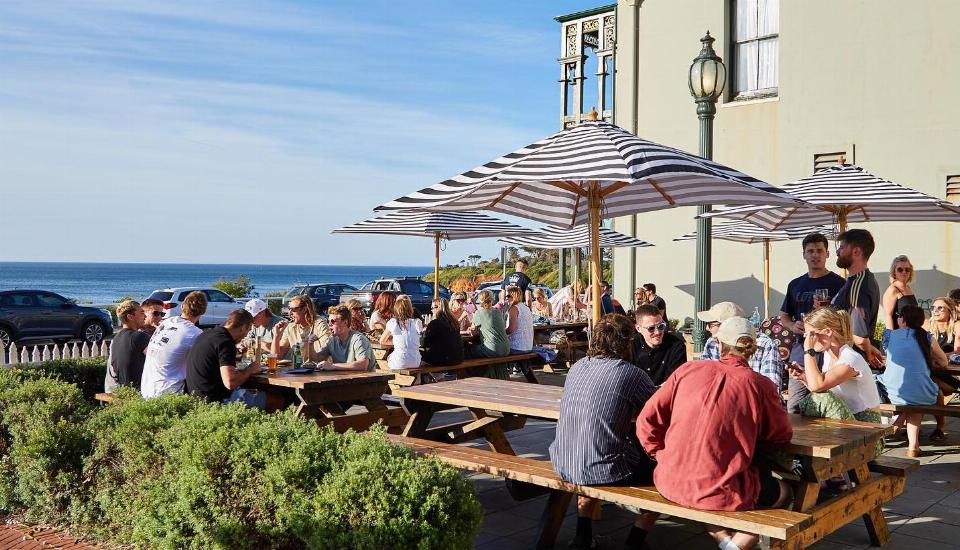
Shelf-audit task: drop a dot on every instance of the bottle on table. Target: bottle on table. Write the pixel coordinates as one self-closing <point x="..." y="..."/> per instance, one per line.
<point x="297" y="356"/>
<point x="755" y="318"/>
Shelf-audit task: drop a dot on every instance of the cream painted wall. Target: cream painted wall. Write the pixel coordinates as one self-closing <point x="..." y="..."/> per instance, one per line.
<point x="879" y="76"/>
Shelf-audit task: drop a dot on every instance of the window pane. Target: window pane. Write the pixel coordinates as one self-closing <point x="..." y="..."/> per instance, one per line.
<point x="768" y="17"/>
<point x="50" y="300"/>
<point x="768" y="73"/>
<point x="745" y="24"/>
<point x="746" y="55"/>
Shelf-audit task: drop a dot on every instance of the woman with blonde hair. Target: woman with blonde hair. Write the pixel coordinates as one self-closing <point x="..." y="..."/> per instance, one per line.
<point x="458" y="308"/>
<point x="541" y="306"/>
<point x="519" y="321"/>
<point x="382" y="310"/>
<point x="442" y="344"/>
<point x="845" y="388"/>
<point x="358" y="320"/>
<point x="403" y="332"/>
<point x="488" y="324"/>
<point x="899" y="293"/>
<point x="304" y="328"/>
<point x="945" y="328"/>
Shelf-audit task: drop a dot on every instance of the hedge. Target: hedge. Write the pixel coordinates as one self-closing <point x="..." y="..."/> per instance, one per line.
<point x="87" y="374"/>
<point x="174" y="472"/>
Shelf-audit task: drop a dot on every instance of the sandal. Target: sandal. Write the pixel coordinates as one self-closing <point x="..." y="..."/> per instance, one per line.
<point x="937" y="435"/>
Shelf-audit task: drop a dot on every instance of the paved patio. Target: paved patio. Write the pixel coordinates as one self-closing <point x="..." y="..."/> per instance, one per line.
<point x="925" y="517"/>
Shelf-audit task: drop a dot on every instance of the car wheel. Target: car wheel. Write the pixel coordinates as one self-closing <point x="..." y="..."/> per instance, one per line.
<point x="6" y="338"/>
<point x="92" y="332"/>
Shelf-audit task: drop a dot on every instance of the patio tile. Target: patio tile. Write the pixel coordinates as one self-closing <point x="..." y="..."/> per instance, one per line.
<point x="932" y="527"/>
<point x="900" y="541"/>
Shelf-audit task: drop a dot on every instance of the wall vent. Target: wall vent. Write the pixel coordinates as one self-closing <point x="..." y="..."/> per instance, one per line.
<point x="826" y="160"/>
<point x="953" y="188"/>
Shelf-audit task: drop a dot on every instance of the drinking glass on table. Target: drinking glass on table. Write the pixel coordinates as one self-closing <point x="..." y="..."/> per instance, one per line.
<point x="271" y="363"/>
<point x="821" y="297"/>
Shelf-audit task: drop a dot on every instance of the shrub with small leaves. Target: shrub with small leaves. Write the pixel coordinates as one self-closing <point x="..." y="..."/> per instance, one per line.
<point x="86" y="374"/>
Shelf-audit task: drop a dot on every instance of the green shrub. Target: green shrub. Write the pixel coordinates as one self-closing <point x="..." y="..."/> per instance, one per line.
<point x="86" y="374"/>
<point x="275" y="301"/>
<point x="45" y="439"/>
<point x="174" y="472"/>
<point x="237" y="288"/>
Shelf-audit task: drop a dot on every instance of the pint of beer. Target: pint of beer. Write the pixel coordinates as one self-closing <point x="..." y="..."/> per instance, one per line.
<point x="271" y="363"/>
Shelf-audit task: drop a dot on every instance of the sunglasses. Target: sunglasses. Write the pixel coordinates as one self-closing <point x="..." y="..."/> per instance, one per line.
<point x="712" y="324"/>
<point x="939" y="308"/>
<point x="904" y="269"/>
<point x="659" y="327"/>
<point x="156" y="314"/>
<point x="298" y="309"/>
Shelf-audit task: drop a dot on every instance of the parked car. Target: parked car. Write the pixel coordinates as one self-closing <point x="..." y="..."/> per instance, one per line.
<point x="219" y="303"/>
<point x="494" y="286"/>
<point x="323" y="295"/>
<point x="35" y="314"/>
<point x="420" y="292"/>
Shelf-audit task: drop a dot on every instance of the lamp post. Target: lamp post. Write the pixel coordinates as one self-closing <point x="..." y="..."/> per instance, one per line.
<point x="706" y="79"/>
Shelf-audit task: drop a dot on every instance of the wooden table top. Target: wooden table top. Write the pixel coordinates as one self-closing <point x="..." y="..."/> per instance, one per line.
<point x="816" y="437"/>
<point x="560" y="325"/>
<point x="320" y="379"/>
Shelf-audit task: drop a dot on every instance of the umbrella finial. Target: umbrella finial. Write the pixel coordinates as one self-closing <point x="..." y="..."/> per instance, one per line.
<point x="593" y="115"/>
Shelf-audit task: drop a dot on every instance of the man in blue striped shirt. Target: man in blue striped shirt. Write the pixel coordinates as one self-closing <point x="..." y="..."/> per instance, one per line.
<point x="595" y="443"/>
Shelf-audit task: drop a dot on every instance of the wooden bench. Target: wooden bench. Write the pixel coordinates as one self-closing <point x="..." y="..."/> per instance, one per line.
<point x="937" y="410"/>
<point x="104" y="397"/>
<point x="467" y="369"/>
<point x="785" y="526"/>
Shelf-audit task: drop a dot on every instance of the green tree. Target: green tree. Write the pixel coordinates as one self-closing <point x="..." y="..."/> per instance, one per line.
<point x="237" y="288"/>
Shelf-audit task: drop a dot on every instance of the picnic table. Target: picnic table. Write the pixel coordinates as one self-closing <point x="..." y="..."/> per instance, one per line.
<point x="566" y="352"/>
<point x="326" y="395"/>
<point x="825" y="447"/>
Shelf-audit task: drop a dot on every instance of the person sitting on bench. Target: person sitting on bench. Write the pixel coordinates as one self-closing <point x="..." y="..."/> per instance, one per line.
<point x="703" y="426"/>
<point x="594" y="444"/>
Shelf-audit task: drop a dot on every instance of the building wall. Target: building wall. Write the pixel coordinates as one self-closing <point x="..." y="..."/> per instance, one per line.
<point x="878" y="77"/>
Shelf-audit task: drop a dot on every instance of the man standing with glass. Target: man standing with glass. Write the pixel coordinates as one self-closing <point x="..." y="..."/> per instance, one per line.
<point x="807" y="292"/>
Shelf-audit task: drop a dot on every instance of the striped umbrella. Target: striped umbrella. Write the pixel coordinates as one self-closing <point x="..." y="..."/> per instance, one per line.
<point x="746" y="232"/>
<point x="578" y="237"/>
<point x="438" y="225"/>
<point x="589" y="171"/>
<point x="843" y="194"/>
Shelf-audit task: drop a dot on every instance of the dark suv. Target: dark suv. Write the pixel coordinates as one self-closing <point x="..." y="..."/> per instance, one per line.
<point x="420" y="292"/>
<point x="323" y="295"/>
<point x="36" y="314"/>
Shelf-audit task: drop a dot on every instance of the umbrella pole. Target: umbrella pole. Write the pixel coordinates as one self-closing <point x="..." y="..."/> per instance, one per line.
<point x="842" y="225"/>
<point x="766" y="279"/>
<point x="436" y="265"/>
<point x="594" y="206"/>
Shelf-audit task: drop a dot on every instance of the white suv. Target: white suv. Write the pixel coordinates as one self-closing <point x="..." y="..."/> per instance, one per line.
<point x="219" y="303"/>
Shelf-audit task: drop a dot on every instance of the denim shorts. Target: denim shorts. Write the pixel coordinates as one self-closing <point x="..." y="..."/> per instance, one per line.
<point x="251" y="398"/>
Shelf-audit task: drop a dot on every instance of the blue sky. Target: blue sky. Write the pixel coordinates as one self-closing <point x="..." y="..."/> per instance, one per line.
<point x="244" y="132"/>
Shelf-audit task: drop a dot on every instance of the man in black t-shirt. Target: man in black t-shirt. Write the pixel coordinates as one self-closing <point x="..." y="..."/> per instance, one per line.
<point x="802" y="297"/>
<point x="518" y="279"/>
<point x="654" y="300"/>
<point x="212" y="364"/>
<point x="125" y="364"/>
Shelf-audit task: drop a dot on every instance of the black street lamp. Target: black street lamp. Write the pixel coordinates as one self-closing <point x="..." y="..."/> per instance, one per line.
<point x="707" y="79"/>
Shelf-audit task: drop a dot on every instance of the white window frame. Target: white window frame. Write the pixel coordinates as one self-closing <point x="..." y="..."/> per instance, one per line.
<point x="757" y="38"/>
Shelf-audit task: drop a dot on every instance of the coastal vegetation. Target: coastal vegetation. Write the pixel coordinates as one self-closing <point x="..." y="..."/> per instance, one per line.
<point x="543" y="268"/>
<point x="175" y="472"/>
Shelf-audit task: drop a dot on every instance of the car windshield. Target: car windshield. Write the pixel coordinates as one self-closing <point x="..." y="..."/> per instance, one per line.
<point x="161" y="295"/>
<point x="295" y="291"/>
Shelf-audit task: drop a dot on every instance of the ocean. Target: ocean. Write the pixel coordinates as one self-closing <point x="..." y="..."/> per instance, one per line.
<point x="103" y="283"/>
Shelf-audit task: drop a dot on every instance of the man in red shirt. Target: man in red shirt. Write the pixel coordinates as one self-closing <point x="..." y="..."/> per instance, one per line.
<point x="703" y="426"/>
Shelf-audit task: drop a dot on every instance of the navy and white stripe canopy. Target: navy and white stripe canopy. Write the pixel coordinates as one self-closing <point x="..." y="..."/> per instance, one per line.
<point x="746" y="232"/>
<point x="549" y="181"/>
<point x="450" y="225"/>
<point x="578" y="237"/>
<point x="845" y="194"/>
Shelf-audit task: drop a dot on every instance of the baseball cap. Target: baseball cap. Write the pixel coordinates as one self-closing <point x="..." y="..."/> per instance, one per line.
<point x="735" y="328"/>
<point x="255" y="306"/>
<point x="721" y="311"/>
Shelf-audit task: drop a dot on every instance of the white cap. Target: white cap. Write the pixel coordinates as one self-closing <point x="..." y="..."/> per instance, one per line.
<point x="721" y="311"/>
<point x="734" y="329"/>
<point x="255" y="306"/>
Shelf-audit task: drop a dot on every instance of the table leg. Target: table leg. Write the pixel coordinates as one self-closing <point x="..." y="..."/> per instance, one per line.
<point x="420" y="413"/>
<point x="874" y="520"/>
<point x="493" y="432"/>
<point x="805" y="497"/>
<point x="527" y="369"/>
<point x="552" y="519"/>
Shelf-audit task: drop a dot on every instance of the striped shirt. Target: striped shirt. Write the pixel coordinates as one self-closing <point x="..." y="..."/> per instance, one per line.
<point x="765" y="361"/>
<point x="595" y="443"/>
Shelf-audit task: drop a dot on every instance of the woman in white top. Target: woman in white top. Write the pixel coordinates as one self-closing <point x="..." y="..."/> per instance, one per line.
<point x="846" y="387"/>
<point x="403" y="331"/>
<point x="519" y="321"/>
